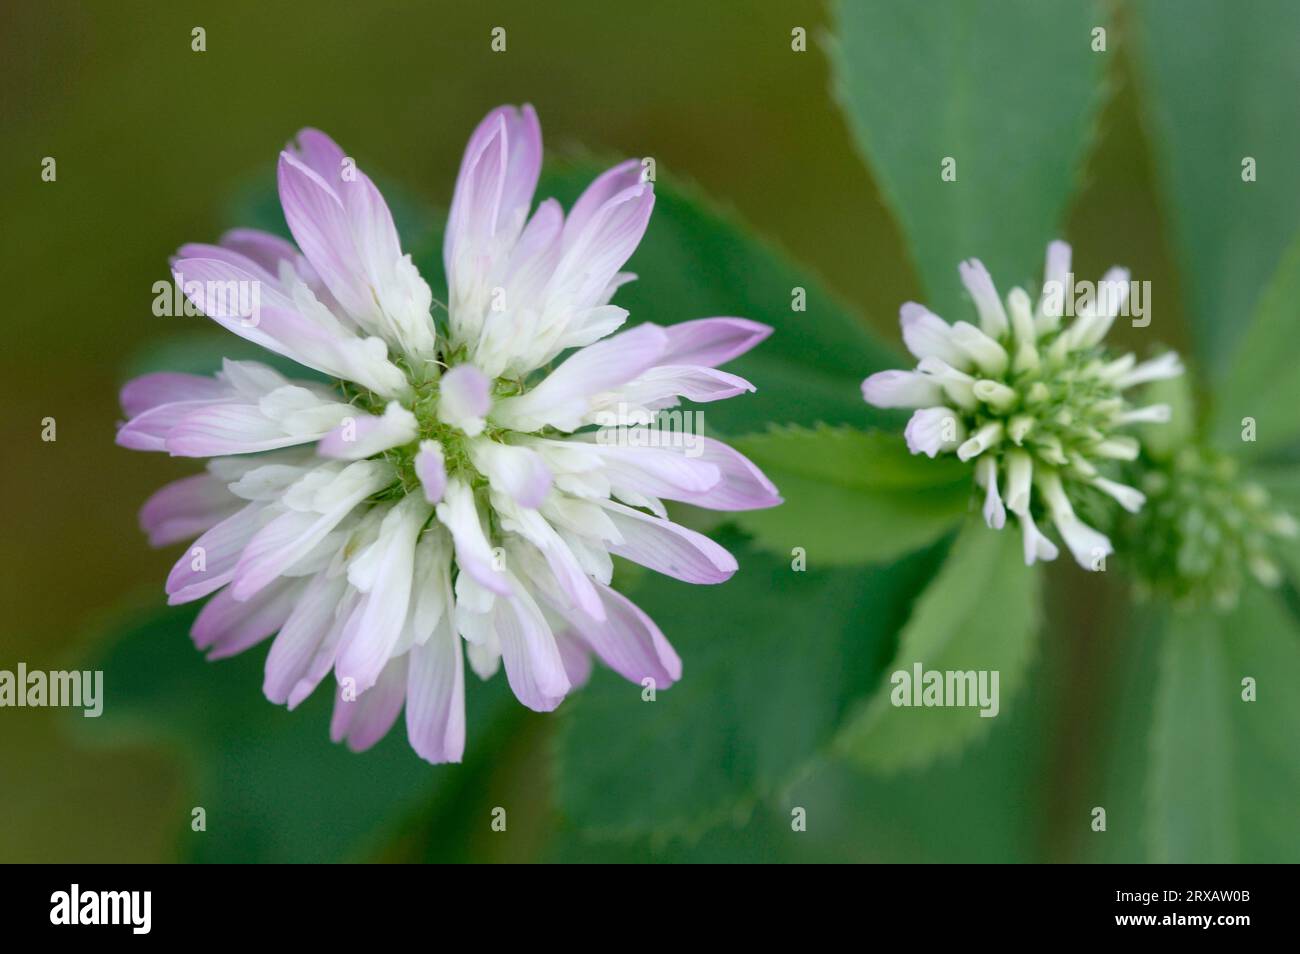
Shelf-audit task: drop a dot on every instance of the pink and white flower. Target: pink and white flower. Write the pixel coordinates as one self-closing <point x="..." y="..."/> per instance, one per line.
<point x="448" y="493"/>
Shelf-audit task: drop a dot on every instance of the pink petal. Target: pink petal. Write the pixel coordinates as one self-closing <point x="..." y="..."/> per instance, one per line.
<point x="168" y="387"/>
<point x="321" y="154"/>
<point x="576" y="656"/>
<point x="321" y="226"/>
<point x="435" y="698"/>
<point x="302" y="636"/>
<point x="532" y="660"/>
<point x="232" y="257"/>
<point x="265" y="249"/>
<point x="668" y="548"/>
<point x="226" y="626"/>
<point x="523" y="163"/>
<point x="534" y="256"/>
<point x="376" y="625"/>
<point x="611" y="182"/>
<point x="595" y="249"/>
<point x="710" y="342"/>
<point x="367" y="719"/>
<point x="742" y="487"/>
<point x="149" y="430"/>
<point x="476" y="201"/>
<point x="464" y="398"/>
<point x="629" y="642"/>
<point x="278" y="326"/>
<point x="185" y="508"/>
<point x="322" y="661"/>
<point x="220" y="548"/>
<point x="518" y="472"/>
<point x="432" y="470"/>
<point x="497" y="179"/>
<point x="662" y="386"/>
<point x="657" y="471"/>
<point x="215" y="430"/>
<point x="369" y="219"/>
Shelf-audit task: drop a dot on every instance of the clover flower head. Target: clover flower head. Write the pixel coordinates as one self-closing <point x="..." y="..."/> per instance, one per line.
<point x="1036" y="403"/>
<point x="1205" y="530"/>
<point x="448" y="490"/>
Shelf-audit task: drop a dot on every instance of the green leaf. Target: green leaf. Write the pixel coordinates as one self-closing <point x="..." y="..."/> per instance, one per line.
<point x="1010" y="91"/>
<point x="698" y="262"/>
<point x="1190" y="791"/>
<point x="981" y="612"/>
<point x="272" y="785"/>
<point x="1219" y="86"/>
<point x="771" y="662"/>
<point x="989" y="804"/>
<point x="972" y="810"/>
<point x="1263" y="382"/>
<point x="1118" y="714"/>
<point x="1225" y="771"/>
<point x="852" y="496"/>
<point x="1261" y="641"/>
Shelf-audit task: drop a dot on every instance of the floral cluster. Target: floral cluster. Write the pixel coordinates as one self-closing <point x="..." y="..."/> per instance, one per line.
<point x="448" y="491"/>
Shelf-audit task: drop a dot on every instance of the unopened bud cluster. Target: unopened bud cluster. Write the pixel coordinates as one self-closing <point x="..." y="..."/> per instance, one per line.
<point x="1205" y="532"/>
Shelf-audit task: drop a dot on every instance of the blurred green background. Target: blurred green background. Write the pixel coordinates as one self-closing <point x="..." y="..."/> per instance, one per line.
<point x="152" y="140"/>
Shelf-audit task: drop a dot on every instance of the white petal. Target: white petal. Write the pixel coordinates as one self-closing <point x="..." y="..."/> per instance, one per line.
<point x="565" y="396"/>
<point x="288" y="538"/>
<point x="988" y="355"/>
<point x="934" y="429"/>
<point x="987" y="436"/>
<point x="1056" y="274"/>
<point x="976" y="278"/>
<point x="1130" y="498"/>
<point x="986" y="473"/>
<point x="927" y="335"/>
<point x="1089" y="547"/>
<point x="1166" y="366"/>
<point x="957" y="385"/>
<point x="1020" y="471"/>
<point x="518" y="472"/>
<point x="1118" y="448"/>
<point x="572" y="585"/>
<point x="901" y="389"/>
<point x="377" y="622"/>
<point x="1152" y="414"/>
<point x="366" y="435"/>
<point x="1036" y="545"/>
<point x="458" y="512"/>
